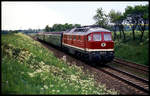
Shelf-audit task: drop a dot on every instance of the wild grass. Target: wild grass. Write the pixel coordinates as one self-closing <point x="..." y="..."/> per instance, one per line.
<point x="133" y="50"/>
<point x="29" y="68"/>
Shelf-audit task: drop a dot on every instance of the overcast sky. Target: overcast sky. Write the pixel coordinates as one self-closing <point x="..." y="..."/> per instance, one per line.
<point x="36" y="15"/>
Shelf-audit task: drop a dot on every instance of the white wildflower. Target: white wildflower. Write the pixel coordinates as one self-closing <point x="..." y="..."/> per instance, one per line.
<point x="45" y="86"/>
<point x="53" y="90"/>
<point x="31" y="66"/>
<point x="40" y="51"/>
<point x="31" y="74"/>
<point x="63" y="68"/>
<point x="73" y="77"/>
<point x="44" y="78"/>
<point x="64" y="58"/>
<point x="51" y="85"/>
<point x="147" y="39"/>
<point x="42" y="62"/>
<point x="38" y="71"/>
<point x="141" y="43"/>
<point x="58" y="91"/>
<point x="22" y="72"/>
<point x="7" y="82"/>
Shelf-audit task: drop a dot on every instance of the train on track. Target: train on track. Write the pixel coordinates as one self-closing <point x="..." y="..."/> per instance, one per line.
<point x="91" y="43"/>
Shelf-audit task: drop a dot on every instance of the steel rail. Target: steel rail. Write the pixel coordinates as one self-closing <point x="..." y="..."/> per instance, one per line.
<point x="131" y="64"/>
<point x="126" y="81"/>
<point x="129" y="74"/>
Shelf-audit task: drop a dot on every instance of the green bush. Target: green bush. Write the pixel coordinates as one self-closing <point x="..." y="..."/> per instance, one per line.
<point x="133" y="50"/>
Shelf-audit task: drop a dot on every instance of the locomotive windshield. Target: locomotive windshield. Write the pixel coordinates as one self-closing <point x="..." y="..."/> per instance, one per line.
<point x="97" y="37"/>
<point x="107" y="37"/>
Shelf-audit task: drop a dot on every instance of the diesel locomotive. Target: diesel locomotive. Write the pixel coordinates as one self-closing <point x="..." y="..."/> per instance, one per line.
<point x="92" y="43"/>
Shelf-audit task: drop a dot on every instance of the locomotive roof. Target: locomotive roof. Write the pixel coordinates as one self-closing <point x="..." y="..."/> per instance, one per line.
<point x="85" y="31"/>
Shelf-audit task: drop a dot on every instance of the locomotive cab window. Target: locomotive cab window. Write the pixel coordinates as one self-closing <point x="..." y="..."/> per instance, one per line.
<point x="97" y="37"/>
<point x="107" y="37"/>
<point x="90" y="37"/>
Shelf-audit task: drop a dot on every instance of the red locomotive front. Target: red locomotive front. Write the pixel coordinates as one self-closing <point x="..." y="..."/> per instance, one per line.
<point x="100" y="46"/>
<point x="92" y="43"/>
<point x="100" y="41"/>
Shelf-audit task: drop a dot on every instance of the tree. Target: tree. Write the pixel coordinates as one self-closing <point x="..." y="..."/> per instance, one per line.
<point x="66" y="26"/>
<point x="142" y="11"/>
<point x="131" y="18"/>
<point x="137" y="16"/>
<point x="47" y="28"/>
<point x="120" y="25"/>
<point x="62" y="27"/>
<point x="117" y="18"/>
<point x="77" y="25"/>
<point x="101" y="18"/>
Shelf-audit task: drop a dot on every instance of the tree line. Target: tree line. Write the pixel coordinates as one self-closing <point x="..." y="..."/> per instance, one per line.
<point x="136" y="17"/>
<point x="60" y="27"/>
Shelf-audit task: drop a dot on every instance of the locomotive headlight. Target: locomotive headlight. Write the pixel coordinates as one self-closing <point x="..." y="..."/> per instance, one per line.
<point x="103" y="44"/>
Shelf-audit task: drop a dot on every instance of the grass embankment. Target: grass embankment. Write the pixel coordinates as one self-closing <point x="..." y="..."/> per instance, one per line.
<point x="133" y="50"/>
<point x="29" y="68"/>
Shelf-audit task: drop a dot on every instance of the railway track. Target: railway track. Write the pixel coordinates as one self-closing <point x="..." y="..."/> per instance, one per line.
<point x="139" y="67"/>
<point x="128" y="78"/>
<point x="131" y="79"/>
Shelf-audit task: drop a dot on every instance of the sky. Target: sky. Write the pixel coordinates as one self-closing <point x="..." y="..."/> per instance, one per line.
<point x="36" y="15"/>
